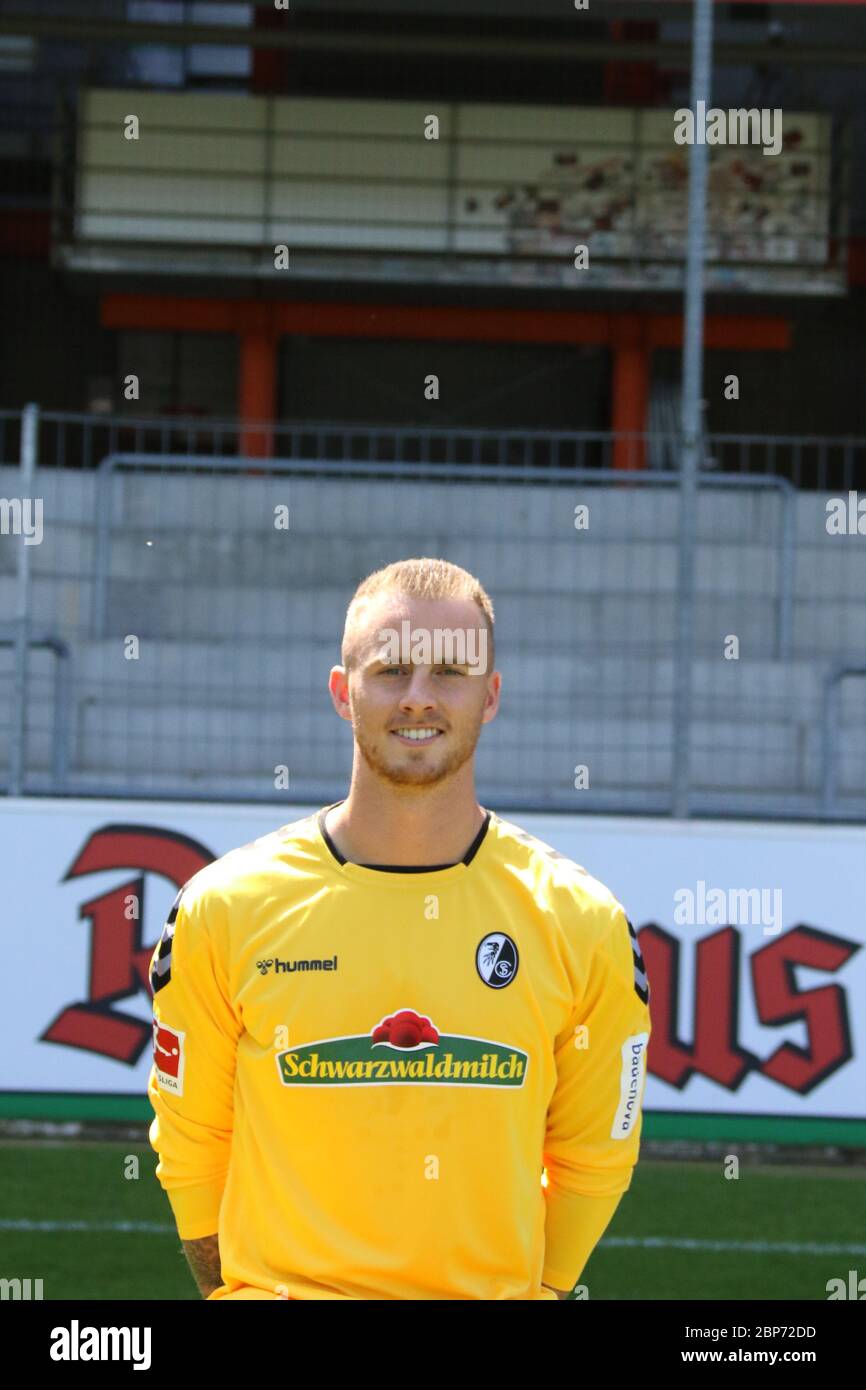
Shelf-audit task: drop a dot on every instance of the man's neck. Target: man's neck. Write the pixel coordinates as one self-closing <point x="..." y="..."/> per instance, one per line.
<point x="379" y="826"/>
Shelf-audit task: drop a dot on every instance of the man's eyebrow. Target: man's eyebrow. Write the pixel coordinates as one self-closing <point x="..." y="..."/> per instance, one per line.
<point x="386" y="662"/>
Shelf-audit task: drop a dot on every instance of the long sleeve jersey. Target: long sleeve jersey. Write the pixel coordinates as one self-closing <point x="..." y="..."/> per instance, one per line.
<point x="382" y="1084"/>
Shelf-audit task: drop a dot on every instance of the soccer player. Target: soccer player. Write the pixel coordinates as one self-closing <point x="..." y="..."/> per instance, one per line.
<point x="376" y="1027"/>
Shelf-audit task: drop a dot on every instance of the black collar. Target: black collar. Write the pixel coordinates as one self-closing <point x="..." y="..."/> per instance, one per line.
<point x="402" y="868"/>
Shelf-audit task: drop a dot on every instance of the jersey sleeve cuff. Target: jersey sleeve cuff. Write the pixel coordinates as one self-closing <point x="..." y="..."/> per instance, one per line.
<point x="575" y="1224"/>
<point x="196" y="1209"/>
<point x="557" y="1279"/>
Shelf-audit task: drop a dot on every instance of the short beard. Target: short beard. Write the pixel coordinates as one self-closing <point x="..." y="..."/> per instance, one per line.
<point x="422" y="777"/>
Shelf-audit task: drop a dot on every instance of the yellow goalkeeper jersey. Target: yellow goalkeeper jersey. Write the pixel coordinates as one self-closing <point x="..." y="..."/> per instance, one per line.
<point x="397" y="1083"/>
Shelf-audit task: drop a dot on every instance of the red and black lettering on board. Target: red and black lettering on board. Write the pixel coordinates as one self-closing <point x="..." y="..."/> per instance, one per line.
<point x="715" y="1051"/>
<point x="119" y="960"/>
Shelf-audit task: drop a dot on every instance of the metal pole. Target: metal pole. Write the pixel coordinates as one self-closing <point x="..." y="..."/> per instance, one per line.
<point x="832" y="689"/>
<point x="27" y="474"/>
<point x="692" y="422"/>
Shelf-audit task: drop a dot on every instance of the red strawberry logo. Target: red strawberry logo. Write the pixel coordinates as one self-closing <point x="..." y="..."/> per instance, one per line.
<point x="405" y="1029"/>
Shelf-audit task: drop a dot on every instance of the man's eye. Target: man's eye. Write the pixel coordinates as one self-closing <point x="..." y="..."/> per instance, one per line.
<point x="389" y="670"/>
<point x="451" y="671"/>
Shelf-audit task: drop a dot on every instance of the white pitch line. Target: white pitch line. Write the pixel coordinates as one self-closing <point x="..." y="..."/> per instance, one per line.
<point x="755" y="1247"/>
<point x="148" y="1227"/>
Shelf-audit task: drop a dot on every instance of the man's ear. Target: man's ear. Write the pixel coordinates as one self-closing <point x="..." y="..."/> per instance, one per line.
<point x="491" y="704"/>
<point x="338" y="685"/>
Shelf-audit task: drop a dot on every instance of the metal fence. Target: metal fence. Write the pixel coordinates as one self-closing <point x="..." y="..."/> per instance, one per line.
<point x="171" y="609"/>
<point x="82" y="441"/>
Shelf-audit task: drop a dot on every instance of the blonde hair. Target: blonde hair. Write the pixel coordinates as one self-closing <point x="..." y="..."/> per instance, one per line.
<point x="419" y="578"/>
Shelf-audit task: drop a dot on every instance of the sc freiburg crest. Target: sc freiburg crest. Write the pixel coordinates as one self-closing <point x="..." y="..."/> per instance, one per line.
<point x="496" y="960"/>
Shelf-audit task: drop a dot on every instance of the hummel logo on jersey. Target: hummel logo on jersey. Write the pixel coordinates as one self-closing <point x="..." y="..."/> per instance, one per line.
<point x="281" y="967"/>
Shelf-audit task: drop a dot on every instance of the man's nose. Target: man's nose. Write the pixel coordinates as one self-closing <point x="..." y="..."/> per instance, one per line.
<point x="419" y="693"/>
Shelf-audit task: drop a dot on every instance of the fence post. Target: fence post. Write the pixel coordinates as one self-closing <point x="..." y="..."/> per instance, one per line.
<point x="832" y="685"/>
<point x="829" y="734"/>
<point x="692" y="419"/>
<point x="787" y="574"/>
<point x="27" y="474"/>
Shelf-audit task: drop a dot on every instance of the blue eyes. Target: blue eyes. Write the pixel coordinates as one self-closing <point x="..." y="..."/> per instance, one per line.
<point x="401" y="670"/>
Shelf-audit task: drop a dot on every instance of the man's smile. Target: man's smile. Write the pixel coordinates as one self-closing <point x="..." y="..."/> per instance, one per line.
<point x="424" y="734"/>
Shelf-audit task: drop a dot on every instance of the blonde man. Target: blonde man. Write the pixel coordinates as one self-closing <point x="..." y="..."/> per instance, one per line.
<point x="389" y="1017"/>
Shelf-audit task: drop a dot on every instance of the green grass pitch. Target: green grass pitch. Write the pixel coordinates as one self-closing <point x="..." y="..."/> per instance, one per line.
<point x="784" y="1230"/>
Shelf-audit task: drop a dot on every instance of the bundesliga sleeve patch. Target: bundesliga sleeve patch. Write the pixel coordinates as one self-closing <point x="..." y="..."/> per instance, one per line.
<point x="160" y="970"/>
<point x="168" y="1058"/>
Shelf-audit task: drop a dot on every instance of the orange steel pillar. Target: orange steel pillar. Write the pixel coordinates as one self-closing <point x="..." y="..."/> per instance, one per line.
<point x="630" y="394"/>
<point x="257" y="386"/>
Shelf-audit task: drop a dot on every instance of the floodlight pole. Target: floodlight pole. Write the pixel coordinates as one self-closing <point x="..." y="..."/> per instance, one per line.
<point x="27" y="487"/>
<point x="691" y="443"/>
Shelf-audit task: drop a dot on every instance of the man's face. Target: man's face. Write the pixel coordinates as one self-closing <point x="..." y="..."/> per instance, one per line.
<point x="416" y="715"/>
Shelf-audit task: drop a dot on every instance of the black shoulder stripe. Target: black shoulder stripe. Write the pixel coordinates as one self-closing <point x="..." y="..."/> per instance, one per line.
<point x="160" y="970"/>
<point x="641" y="982"/>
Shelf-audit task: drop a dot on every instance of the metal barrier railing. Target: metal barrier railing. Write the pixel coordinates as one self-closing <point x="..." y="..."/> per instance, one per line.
<point x="829" y="733"/>
<point x="763" y="718"/>
<point x="463" y="473"/>
<point x="48" y="641"/>
<point x="81" y="440"/>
